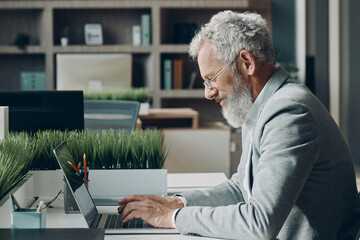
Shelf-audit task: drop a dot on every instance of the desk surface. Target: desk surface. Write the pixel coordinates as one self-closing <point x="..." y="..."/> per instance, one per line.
<point x="56" y="217"/>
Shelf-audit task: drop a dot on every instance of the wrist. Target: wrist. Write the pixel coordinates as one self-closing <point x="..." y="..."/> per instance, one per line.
<point x="179" y="202"/>
<point x="173" y="216"/>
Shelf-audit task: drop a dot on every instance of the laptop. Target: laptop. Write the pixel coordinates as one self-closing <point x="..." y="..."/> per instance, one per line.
<point x="111" y="222"/>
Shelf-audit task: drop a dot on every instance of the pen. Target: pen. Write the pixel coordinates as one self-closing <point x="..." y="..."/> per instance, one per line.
<point x="72" y="165"/>
<point x="39" y="208"/>
<point x="85" y="169"/>
<point x="15" y="203"/>
<point x="12" y="202"/>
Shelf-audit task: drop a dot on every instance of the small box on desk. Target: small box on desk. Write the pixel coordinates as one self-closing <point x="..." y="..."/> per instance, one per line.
<point x="28" y="218"/>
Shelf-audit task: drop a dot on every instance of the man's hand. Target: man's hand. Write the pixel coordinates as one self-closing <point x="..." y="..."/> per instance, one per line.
<point x="154" y="209"/>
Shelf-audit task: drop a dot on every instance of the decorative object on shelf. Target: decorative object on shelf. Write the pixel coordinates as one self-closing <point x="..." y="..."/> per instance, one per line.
<point x="136" y="35"/>
<point x="93" y="34"/>
<point x="145" y="29"/>
<point x="4" y="122"/>
<point x="64" y="36"/>
<point x="184" y="32"/>
<point x="32" y="81"/>
<point x="22" y="40"/>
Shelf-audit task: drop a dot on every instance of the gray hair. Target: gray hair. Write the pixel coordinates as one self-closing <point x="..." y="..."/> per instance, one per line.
<point x="230" y="32"/>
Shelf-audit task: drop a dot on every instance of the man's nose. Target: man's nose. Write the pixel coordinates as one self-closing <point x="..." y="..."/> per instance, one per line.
<point x="210" y="93"/>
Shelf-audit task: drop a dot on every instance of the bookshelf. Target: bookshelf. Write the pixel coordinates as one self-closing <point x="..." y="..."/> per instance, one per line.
<point x="43" y="21"/>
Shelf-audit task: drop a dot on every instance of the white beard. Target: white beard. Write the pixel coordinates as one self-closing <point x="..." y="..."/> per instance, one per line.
<point x="239" y="104"/>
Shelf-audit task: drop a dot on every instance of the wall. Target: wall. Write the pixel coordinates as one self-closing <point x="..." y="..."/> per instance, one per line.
<point x="351" y="73"/>
<point x="283" y="29"/>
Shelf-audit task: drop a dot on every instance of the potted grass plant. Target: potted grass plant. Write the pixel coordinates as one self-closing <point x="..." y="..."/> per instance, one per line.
<point x="16" y="155"/>
<point x="135" y="151"/>
<point x="133" y="94"/>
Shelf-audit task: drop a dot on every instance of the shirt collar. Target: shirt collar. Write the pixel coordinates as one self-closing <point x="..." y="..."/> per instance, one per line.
<point x="273" y="84"/>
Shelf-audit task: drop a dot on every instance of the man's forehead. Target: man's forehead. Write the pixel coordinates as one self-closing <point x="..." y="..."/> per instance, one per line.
<point x="206" y="52"/>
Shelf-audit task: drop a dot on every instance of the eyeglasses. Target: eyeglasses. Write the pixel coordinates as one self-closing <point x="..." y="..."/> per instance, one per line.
<point x="208" y="84"/>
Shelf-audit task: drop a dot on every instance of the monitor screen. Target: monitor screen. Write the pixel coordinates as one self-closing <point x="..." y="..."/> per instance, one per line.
<point x="93" y="71"/>
<point x="31" y="111"/>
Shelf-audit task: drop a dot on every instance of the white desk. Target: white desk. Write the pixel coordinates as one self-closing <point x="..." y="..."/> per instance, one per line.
<point x="56" y="217"/>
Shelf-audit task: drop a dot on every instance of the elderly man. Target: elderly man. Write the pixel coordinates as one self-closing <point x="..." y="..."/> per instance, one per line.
<point x="296" y="177"/>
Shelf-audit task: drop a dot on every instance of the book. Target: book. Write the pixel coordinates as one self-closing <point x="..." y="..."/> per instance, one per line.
<point x="178" y="73"/>
<point x="192" y="80"/>
<point x="32" y="81"/>
<point x="145" y="29"/>
<point x="136" y="33"/>
<point x="167" y="78"/>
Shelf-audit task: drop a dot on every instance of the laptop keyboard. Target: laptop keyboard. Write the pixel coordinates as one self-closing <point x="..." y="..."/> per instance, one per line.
<point x="114" y="221"/>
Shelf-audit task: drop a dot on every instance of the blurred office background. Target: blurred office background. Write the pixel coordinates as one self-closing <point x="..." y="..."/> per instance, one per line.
<point x="319" y="38"/>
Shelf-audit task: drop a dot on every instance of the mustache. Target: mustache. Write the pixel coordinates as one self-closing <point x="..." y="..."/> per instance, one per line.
<point x="218" y="99"/>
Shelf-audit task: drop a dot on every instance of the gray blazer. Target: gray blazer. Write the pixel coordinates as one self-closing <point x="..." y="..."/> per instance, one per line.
<point x="295" y="179"/>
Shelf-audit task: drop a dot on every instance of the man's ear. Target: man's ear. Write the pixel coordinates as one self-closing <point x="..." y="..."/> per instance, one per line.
<point x="248" y="62"/>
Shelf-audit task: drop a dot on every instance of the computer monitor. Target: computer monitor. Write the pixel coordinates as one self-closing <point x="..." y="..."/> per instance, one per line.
<point x="31" y="111"/>
<point x="93" y="71"/>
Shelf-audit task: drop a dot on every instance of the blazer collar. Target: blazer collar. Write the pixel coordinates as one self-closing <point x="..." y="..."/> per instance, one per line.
<point x="273" y="84"/>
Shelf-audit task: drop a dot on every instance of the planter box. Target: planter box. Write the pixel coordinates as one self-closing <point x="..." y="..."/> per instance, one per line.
<point x="114" y="183"/>
<point x="106" y="182"/>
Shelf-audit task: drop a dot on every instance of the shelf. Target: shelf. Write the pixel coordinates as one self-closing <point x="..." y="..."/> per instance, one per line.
<point x="185" y="93"/>
<point x="14" y="50"/>
<point x="174" y="48"/>
<point x="102" y="49"/>
<point x="44" y="21"/>
<point x="117" y="23"/>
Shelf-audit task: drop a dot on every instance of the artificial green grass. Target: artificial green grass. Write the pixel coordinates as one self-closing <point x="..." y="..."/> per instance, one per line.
<point x="16" y="156"/>
<point x="107" y="149"/>
<point x="133" y="94"/>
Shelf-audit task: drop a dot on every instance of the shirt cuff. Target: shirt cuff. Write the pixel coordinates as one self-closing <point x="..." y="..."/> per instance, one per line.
<point x="181" y="198"/>
<point x="173" y="217"/>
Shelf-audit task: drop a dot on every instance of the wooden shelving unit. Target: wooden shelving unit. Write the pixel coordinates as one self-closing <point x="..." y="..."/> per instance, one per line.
<point x="44" y="20"/>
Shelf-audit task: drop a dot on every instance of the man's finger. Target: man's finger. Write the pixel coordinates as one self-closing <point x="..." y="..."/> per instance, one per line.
<point x="132" y="206"/>
<point x="132" y="215"/>
<point x="131" y="199"/>
<point x="121" y="208"/>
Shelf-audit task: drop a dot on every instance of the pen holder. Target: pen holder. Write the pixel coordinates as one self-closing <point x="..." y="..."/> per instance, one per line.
<point x="70" y="205"/>
<point x="28" y="218"/>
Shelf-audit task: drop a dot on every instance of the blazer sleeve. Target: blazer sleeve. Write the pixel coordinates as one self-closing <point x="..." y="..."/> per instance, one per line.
<point x="226" y="193"/>
<point x="288" y="147"/>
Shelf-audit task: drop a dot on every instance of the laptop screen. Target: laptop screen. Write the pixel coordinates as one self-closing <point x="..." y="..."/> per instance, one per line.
<point x="76" y="183"/>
